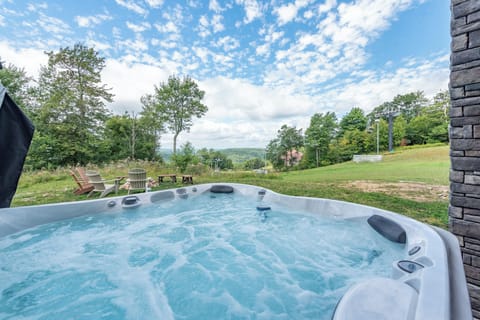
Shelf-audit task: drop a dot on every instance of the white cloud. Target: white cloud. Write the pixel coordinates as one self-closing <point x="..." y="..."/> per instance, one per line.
<point x="202" y="53"/>
<point x="286" y="13"/>
<point x="263" y="50"/>
<point x="37" y="6"/>
<point x="252" y="10"/>
<point x="308" y="14"/>
<point x="217" y="23"/>
<point x="228" y="43"/>
<point x="376" y="88"/>
<point x="83" y="21"/>
<point x="242" y="100"/>
<point x="206" y="25"/>
<point x="215" y="6"/>
<point x="326" y="6"/>
<point x="2" y="21"/>
<point x="98" y="45"/>
<point x="171" y="27"/>
<point x="168" y="27"/>
<point x="133" y="46"/>
<point x="53" y="25"/>
<point x="28" y="58"/>
<point x="138" y="27"/>
<point x="194" y="3"/>
<point x="371" y="15"/>
<point x="203" y="24"/>
<point x="132" y="6"/>
<point x="236" y="106"/>
<point x="154" y="3"/>
<point x="91" y="21"/>
<point x="130" y="81"/>
<point x="336" y="47"/>
<point x="319" y="67"/>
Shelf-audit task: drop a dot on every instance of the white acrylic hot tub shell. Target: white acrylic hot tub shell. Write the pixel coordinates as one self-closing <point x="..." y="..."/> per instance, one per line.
<point x="434" y="292"/>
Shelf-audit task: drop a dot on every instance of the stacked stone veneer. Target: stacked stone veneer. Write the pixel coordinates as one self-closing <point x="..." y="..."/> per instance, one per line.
<point x="464" y="210"/>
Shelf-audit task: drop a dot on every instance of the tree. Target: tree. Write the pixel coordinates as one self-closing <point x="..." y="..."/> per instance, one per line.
<point x="185" y="157"/>
<point x="419" y="129"/>
<point x="128" y="136"/>
<point x="353" y="142"/>
<point x="71" y="107"/>
<point x="399" y="130"/>
<point x="409" y="105"/>
<point x="280" y="150"/>
<point x="215" y="159"/>
<point x="17" y="83"/>
<point x="117" y="136"/>
<point x="354" y="120"/>
<point x="275" y="153"/>
<point x="175" y="103"/>
<point x="441" y="106"/>
<point x="319" y="134"/>
<point x="253" y="164"/>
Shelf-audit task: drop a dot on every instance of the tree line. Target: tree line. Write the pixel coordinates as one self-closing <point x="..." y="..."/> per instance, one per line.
<point x="67" y="104"/>
<point x="328" y="140"/>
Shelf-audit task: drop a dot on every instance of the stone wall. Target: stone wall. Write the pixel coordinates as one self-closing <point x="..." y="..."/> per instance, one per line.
<point x="464" y="210"/>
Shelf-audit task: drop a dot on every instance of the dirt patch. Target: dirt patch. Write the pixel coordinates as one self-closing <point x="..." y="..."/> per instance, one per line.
<point x="409" y="190"/>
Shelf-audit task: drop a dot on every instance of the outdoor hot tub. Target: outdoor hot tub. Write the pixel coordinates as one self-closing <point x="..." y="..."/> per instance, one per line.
<point x="225" y="251"/>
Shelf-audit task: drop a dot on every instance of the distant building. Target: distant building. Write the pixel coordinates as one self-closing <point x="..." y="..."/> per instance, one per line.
<point x="292" y="158"/>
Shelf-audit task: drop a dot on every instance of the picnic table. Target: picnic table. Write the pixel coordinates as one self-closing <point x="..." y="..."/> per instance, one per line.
<point x="173" y="177"/>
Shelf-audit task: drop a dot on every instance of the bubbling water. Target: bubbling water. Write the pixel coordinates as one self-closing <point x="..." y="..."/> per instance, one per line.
<point x="210" y="257"/>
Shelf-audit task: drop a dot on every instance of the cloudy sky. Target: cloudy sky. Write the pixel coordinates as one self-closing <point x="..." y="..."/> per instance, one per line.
<point x="261" y="63"/>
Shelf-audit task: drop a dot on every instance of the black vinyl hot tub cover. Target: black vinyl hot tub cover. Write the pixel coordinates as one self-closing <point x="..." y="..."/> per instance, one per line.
<point x="16" y="132"/>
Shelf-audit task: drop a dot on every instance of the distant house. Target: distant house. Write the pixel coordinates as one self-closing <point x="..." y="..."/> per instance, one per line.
<point x="292" y="158"/>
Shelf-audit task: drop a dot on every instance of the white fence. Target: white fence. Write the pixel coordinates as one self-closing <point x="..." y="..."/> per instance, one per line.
<point x="367" y="157"/>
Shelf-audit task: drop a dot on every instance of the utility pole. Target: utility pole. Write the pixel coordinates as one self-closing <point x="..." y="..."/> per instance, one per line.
<point x="134" y="135"/>
<point x="390" y="132"/>
<point x="390" y="112"/>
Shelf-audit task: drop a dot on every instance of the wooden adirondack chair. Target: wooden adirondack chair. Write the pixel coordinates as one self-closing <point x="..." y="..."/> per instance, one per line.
<point x="100" y="184"/>
<point x="84" y="185"/>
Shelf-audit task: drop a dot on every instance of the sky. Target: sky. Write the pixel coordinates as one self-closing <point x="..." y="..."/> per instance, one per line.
<point x="261" y="64"/>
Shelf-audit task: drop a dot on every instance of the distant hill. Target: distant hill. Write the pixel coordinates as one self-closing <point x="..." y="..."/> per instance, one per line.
<point x="237" y="155"/>
<point x="165" y="153"/>
<point x="240" y="155"/>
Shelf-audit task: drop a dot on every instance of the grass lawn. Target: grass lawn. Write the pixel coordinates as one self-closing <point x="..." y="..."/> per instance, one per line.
<point x="427" y="165"/>
<point x="413" y="182"/>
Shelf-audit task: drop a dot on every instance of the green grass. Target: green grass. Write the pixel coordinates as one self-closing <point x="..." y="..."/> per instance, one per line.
<point x="429" y="165"/>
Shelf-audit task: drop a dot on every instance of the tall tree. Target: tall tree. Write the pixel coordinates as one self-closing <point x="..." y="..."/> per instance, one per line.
<point x="128" y="136"/>
<point x="280" y="150"/>
<point x="319" y="134"/>
<point x="118" y="136"/>
<point x="431" y="125"/>
<point x="409" y="105"/>
<point x="353" y="120"/>
<point x="175" y="102"/>
<point x="72" y="105"/>
<point x="17" y="83"/>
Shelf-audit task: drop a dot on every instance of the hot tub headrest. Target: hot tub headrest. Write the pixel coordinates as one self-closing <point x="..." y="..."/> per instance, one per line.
<point x="388" y="228"/>
<point x="221" y="189"/>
